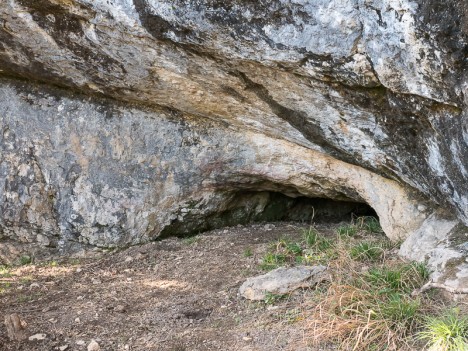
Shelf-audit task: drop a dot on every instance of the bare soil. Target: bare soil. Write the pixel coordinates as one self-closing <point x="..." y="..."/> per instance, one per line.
<point x="174" y="294"/>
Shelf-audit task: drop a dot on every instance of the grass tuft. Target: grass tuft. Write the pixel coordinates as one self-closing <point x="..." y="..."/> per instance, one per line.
<point x="191" y="240"/>
<point x="271" y="299"/>
<point x="369" y="224"/>
<point x="248" y="252"/>
<point x="271" y="261"/>
<point x="313" y="240"/>
<point x="25" y="259"/>
<point x="366" y="251"/>
<point x="5" y="271"/>
<point x="448" y="332"/>
<point x="349" y="230"/>
<point x="368" y="309"/>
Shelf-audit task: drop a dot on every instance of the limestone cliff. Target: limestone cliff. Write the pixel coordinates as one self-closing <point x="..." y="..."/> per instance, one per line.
<point x="122" y="119"/>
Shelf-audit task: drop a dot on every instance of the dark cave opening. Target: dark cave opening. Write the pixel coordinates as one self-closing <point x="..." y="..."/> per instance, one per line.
<point x="247" y="207"/>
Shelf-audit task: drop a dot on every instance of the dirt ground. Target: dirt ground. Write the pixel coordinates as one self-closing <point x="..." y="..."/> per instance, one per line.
<point x="174" y="294"/>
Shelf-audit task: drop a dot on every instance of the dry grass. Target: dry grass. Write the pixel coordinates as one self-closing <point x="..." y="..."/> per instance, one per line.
<point x="368" y="304"/>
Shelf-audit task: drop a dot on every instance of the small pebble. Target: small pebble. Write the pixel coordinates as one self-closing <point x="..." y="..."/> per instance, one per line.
<point x="119" y="308"/>
<point x="37" y="337"/>
<point x="93" y="346"/>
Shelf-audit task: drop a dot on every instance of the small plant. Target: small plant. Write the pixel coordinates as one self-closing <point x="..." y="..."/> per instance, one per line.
<point x="271" y="299"/>
<point x="448" y="332"/>
<point x="369" y="224"/>
<point x="5" y="272"/>
<point x="294" y="248"/>
<point x="191" y="240"/>
<point x="314" y="240"/>
<point x="25" y="259"/>
<point x="281" y="252"/>
<point x="349" y="230"/>
<point x="4" y="287"/>
<point x="248" y="252"/>
<point x="370" y="310"/>
<point x="422" y="270"/>
<point x="292" y="316"/>
<point x="26" y="279"/>
<point x="399" y="309"/>
<point x="403" y="278"/>
<point x="366" y="251"/>
<point x="272" y="260"/>
<point x="311" y="236"/>
<point x="74" y="262"/>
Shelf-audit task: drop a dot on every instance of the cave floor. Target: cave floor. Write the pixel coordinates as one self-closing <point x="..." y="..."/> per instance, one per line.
<point x="174" y="294"/>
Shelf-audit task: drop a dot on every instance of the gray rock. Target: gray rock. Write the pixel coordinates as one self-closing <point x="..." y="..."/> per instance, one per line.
<point x="442" y="244"/>
<point x="93" y="346"/>
<point x="125" y="120"/>
<point x="282" y="281"/>
<point x="37" y="337"/>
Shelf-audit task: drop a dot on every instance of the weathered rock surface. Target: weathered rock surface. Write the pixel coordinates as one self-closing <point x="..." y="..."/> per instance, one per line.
<point x="149" y="117"/>
<point x="443" y="244"/>
<point x="282" y="281"/>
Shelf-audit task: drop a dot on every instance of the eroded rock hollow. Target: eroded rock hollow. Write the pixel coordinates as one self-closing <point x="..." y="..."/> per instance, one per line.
<point x="124" y="120"/>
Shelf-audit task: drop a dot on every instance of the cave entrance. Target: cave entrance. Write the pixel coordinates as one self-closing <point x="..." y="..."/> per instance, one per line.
<point x="247" y="207"/>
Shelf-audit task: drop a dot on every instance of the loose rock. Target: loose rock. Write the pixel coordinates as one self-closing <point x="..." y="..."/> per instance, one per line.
<point x="37" y="337"/>
<point x="93" y="346"/>
<point x="282" y="281"/>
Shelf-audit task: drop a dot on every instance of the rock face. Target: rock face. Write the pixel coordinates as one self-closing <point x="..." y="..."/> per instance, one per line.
<point x="122" y="120"/>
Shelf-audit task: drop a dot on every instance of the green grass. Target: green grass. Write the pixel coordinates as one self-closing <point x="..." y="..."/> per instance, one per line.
<point x="191" y="240"/>
<point x="310" y="236"/>
<point x="366" y="251"/>
<point x="422" y="270"/>
<point x="273" y="260"/>
<point x="313" y="240"/>
<point x="369" y="224"/>
<point x="368" y="304"/>
<point x="371" y="309"/>
<point x="400" y="309"/>
<point x="5" y="272"/>
<point x="248" y="252"/>
<point x="25" y="259"/>
<point x="293" y="249"/>
<point x="313" y="249"/>
<point x="448" y="332"/>
<point x="348" y="230"/>
<point x="402" y="278"/>
<point x="271" y="299"/>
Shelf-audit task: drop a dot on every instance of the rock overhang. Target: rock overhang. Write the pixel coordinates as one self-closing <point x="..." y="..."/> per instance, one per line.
<point x="342" y="97"/>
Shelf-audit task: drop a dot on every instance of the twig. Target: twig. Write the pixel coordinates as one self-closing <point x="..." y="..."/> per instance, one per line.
<point x="432" y="285"/>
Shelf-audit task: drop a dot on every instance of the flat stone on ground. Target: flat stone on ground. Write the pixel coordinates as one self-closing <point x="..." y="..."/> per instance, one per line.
<point x="282" y="280"/>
